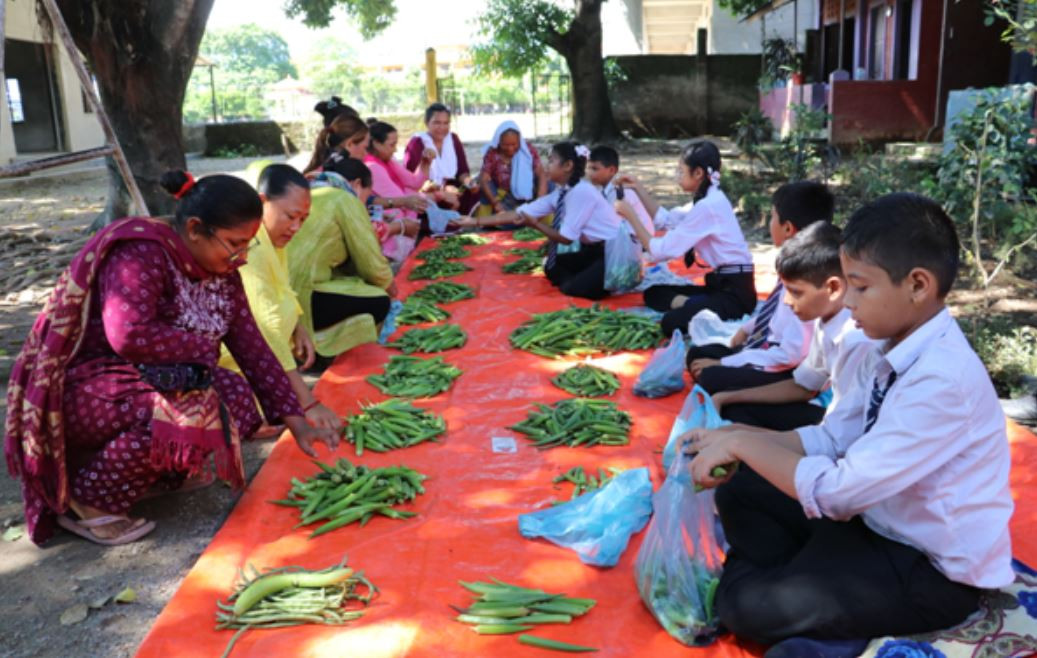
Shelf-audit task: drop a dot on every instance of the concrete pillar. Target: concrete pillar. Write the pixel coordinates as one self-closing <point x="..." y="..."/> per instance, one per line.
<point x="702" y="80"/>
<point x="431" y="76"/>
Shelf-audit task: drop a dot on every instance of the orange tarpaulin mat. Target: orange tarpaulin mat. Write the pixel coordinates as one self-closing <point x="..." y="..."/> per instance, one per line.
<point x="467" y="526"/>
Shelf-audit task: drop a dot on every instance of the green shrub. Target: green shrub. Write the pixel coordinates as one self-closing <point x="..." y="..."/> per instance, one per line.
<point x="1008" y="351"/>
<point x="750" y="132"/>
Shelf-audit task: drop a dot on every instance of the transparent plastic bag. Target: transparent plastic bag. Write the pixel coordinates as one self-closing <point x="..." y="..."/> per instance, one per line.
<point x="622" y="261"/>
<point x="597" y="525"/>
<point x="678" y="567"/>
<point x="698" y="412"/>
<point x="664" y="374"/>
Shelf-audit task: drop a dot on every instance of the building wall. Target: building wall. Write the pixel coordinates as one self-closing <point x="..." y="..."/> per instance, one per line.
<point x="677" y="96"/>
<point x="887" y="110"/>
<point x="81" y="130"/>
<point x="974" y="56"/>
<point x="622" y="28"/>
<point x="728" y="35"/>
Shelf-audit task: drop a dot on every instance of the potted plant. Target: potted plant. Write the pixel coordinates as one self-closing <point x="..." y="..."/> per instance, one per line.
<point x="780" y="59"/>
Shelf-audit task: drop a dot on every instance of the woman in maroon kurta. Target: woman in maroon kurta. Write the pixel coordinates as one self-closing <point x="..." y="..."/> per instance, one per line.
<point x="117" y="385"/>
<point x="449" y="165"/>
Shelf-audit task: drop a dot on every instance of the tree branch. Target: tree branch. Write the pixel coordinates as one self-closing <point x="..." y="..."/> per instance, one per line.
<point x="1006" y="258"/>
<point x="558" y="41"/>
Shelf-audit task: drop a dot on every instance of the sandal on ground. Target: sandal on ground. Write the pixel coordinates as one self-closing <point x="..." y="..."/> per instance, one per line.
<point x="83" y="528"/>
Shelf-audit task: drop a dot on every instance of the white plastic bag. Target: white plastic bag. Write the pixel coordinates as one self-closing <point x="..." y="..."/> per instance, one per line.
<point x="707" y="328"/>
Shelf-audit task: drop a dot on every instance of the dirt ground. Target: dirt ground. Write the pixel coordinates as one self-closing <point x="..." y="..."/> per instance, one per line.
<point x="42" y="224"/>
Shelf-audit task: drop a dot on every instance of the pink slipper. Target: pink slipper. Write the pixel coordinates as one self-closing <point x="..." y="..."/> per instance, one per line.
<point x="83" y="527"/>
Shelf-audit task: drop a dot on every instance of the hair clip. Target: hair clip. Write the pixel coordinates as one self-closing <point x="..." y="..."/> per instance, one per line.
<point x="583" y="151"/>
<point x="714" y="176"/>
<point x="186" y="187"/>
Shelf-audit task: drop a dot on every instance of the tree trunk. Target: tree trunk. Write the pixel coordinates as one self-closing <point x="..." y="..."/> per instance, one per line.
<point x="142" y="53"/>
<point x="581" y="48"/>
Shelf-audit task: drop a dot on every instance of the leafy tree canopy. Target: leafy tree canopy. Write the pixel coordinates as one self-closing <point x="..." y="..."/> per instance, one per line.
<point x="517" y="32"/>
<point x="249" y="49"/>
<point x="742" y="7"/>
<point x="371" y="16"/>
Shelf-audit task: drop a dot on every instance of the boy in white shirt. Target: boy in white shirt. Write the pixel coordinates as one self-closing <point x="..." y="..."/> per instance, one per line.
<point x="774" y="340"/>
<point x="602" y="169"/>
<point x="582" y="219"/>
<point x="893" y="527"/>
<point x="812" y="276"/>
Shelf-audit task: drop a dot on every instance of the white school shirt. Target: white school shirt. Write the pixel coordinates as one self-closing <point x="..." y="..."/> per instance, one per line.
<point x="631" y="197"/>
<point x="788" y="342"/>
<point x="933" y="471"/>
<point x="589" y="218"/>
<point x="837" y="352"/>
<point x="710" y="226"/>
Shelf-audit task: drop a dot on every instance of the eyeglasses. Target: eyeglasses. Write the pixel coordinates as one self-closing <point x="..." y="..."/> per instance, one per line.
<point x="237" y="255"/>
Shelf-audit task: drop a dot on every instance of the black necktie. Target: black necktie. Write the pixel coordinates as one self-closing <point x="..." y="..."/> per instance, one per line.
<point x="763" y="321"/>
<point x="878" y="394"/>
<point x="556" y="224"/>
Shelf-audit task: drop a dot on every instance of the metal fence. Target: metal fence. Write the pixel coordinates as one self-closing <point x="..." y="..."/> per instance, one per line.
<point x="552" y="103"/>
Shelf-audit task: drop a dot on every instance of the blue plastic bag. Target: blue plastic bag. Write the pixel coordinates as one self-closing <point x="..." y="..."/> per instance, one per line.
<point x="439" y="218"/>
<point x="680" y="561"/>
<point x="389" y="323"/>
<point x="597" y="525"/>
<point x="698" y="412"/>
<point x="664" y="374"/>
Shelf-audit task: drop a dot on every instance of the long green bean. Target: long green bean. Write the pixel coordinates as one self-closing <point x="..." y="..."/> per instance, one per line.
<point x="587" y="381"/>
<point x="291" y="596"/>
<point x="444" y="292"/>
<point x="414" y="377"/>
<point x="418" y="311"/>
<point x="391" y="425"/>
<point x="585" y="331"/>
<point x="342" y="493"/>
<point x="432" y="339"/>
<point x="576" y="422"/>
<point x="438" y="269"/>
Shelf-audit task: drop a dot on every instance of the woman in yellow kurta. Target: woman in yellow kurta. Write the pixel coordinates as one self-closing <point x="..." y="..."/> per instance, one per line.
<point x="342" y="280"/>
<point x="286" y="204"/>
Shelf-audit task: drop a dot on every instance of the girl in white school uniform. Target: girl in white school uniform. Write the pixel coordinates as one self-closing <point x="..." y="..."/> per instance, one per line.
<point x="706" y="229"/>
<point x="583" y="220"/>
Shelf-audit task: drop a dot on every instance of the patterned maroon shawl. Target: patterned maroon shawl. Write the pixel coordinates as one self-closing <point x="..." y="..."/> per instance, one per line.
<point x="188" y="424"/>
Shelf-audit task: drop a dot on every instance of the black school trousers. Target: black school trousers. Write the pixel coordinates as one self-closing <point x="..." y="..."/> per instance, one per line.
<point x="329" y="308"/>
<point x="789" y="576"/>
<point x="728" y="295"/>
<point x="581" y="274"/>
<point x="779" y="417"/>
<point x="726" y="378"/>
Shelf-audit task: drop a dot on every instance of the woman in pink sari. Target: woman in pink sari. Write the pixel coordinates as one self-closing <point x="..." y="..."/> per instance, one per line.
<point x="391" y="179"/>
<point x="116" y="387"/>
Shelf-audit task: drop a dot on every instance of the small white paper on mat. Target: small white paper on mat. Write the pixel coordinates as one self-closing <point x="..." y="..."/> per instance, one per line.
<point x="504" y="444"/>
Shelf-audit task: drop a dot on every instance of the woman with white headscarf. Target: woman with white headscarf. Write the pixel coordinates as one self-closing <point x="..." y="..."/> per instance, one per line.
<point x="449" y="178"/>
<point x="511" y="171"/>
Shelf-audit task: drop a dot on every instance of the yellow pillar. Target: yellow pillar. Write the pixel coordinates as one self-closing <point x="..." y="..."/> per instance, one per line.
<point x="431" y="85"/>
